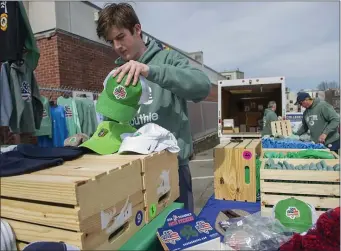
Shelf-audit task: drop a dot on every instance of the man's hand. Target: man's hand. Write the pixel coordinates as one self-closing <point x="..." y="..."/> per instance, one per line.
<point x="322" y="138"/>
<point x="134" y="70"/>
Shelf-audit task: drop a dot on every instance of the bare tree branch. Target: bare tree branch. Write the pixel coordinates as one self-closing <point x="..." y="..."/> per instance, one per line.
<point x="325" y="85"/>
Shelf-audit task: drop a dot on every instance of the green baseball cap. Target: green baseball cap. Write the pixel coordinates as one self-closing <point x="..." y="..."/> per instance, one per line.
<point x="108" y="137"/>
<point x="295" y="214"/>
<point x="119" y="102"/>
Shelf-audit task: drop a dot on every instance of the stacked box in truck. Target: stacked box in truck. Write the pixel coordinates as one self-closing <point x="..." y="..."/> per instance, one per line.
<point x="242" y="102"/>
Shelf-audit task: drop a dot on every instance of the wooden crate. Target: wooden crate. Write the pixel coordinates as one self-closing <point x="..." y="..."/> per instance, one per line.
<point x="321" y="196"/>
<point x="160" y="181"/>
<point x="90" y="202"/>
<point x="230" y="163"/>
<point x="281" y="127"/>
<point x="280" y="150"/>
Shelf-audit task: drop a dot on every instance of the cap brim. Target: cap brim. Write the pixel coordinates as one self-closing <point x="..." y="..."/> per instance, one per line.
<point x="296" y="103"/>
<point x="101" y="146"/>
<point x="118" y="111"/>
<point x="298" y="228"/>
<point x="138" y="144"/>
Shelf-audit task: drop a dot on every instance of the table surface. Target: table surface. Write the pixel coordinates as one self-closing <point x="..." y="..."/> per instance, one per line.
<point x="146" y="238"/>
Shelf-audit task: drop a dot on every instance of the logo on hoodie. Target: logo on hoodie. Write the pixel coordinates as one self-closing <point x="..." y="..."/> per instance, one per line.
<point x="26" y="91"/>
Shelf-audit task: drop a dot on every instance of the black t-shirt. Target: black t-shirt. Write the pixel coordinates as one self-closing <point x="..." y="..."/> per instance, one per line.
<point x="12" y="31"/>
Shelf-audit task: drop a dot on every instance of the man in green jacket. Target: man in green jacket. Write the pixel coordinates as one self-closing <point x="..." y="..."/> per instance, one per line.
<point x="321" y="119"/>
<point x="172" y="81"/>
<point x="269" y="116"/>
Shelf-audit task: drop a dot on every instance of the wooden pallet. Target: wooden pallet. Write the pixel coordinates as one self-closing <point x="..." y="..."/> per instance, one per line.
<point x="231" y="161"/>
<point x="281" y="127"/>
<point x="280" y="150"/>
<point x="90" y="202"/>
<point x="275" y="187"/>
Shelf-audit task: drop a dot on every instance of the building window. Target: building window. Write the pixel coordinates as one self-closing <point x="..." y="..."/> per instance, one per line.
<point x="291" y="101"/>
<point x="316" y="95"/>
<point x="291" y="109"/>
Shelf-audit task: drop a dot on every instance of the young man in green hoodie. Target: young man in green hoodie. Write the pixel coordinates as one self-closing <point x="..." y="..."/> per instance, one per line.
<point x="269" y="116"/>
<point x="172" y="81"/>
<point x="321" y="119"/>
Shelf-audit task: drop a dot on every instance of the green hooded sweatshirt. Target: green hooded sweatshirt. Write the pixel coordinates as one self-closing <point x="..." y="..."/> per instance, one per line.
<point x="172" y="82"/>
<point x="320" y="118"/>
<point x="269" y="116"/>
<point x="32" y="54"/>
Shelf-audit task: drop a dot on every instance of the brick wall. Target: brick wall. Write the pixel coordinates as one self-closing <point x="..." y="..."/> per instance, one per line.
<point x="70" y="60"/>
<point x="47" y="71"/>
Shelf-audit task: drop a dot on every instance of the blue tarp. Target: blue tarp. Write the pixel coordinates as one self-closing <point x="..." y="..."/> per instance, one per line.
<point x="289" y="143"/>
<point x="212" y="208"/>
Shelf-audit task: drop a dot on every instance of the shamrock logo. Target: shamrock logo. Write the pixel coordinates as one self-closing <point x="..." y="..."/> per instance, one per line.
<point x="120" y="92"/>
<point x="103" y="132"/>
<point x="188" y="232"/>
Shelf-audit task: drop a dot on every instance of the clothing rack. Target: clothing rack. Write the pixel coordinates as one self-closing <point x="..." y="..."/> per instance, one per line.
<point x="67" y="89"/>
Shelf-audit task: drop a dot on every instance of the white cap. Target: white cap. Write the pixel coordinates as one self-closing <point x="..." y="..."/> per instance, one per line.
<point x="150" y="138"/>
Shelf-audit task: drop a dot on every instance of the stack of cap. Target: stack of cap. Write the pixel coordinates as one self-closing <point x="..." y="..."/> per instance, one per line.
<point x="108" y="137"/>
<point x="119" y="102"/>
<point x="295" y="214"/>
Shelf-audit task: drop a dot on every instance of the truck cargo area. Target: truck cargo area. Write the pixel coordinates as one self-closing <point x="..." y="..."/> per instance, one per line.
<point x="244" y="106"/>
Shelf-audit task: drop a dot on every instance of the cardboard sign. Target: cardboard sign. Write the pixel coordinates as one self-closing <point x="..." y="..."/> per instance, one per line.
<point x="183" y="230"/>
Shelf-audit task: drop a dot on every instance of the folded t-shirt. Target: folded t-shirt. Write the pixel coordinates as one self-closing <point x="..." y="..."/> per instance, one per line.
<point x="14" y="163"/>
<point x="65" y="153"/>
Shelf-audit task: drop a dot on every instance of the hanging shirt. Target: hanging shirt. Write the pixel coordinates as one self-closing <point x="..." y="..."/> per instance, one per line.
<point x="28" y="109"/>
<point x="46" y="123"/>
<point x="59" y="128"/>
<point x="99" y="116"/>
<point x="6" y="106"/>
<point x="87" y="115"/>
<point x="71" y="113"/>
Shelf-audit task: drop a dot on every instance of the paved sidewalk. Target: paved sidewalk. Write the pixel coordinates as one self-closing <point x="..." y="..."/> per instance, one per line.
<point x="202" y="178"/>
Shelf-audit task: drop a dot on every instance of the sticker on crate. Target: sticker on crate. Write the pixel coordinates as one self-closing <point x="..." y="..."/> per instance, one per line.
<point x="164" y="184"/>
<point x="110" y="222"/>
<point x="184" y="230"/>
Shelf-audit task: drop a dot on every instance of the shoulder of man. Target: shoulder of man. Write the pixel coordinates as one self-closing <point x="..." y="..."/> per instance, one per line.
<point x="172" y="56"/>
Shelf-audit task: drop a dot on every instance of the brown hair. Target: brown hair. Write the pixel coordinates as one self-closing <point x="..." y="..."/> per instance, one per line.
<point x="121" y="15"/>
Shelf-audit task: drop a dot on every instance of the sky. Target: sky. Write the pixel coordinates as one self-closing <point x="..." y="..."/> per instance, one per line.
<point x="298" y="40"/>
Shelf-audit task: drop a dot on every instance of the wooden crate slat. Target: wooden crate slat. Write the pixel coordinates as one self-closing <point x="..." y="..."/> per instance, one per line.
<point x="300" y="188"/>
<point x="56" y="189"/>
<point x="302" y="175"/>
<point x="317" y="202"/>
<point x="281" y="127"/>
<point x="27" y="232"/>
<point x="61" y="217"/>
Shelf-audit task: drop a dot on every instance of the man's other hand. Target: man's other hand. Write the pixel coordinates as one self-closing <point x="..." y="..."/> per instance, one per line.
<point x="322" y="138"/>
<point x="134" y="69"/>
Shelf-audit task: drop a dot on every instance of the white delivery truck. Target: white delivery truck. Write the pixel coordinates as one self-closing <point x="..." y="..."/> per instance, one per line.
<point x="241" y="105"/>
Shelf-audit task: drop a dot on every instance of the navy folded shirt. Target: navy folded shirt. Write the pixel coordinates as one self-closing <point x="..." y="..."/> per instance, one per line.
<point x="49" y="246"/>
<point x="29" y="158"/>
<point x="66" y="153"/>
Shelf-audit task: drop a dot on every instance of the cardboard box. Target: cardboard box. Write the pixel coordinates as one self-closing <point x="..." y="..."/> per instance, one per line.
<point x="243" y="128"/>
<point x="94" y="203"/>
<point x="252" y="118"/>
<point x="236" y="130"/>
<point x="228" y="123"/>
<point x="252" y="129"/>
